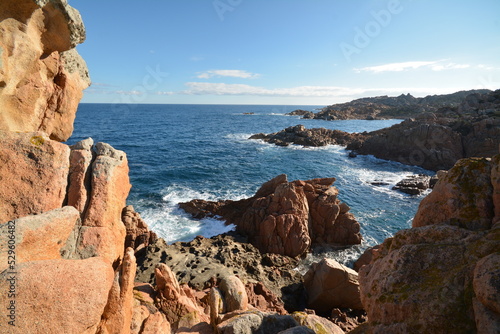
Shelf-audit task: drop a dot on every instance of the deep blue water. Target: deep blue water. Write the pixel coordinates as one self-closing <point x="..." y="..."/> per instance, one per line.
<point x="181" y="152"/>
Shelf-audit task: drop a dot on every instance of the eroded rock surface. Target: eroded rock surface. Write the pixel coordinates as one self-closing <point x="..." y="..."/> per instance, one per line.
<point x="33" y="174"/>
<point x="201" y="262"/>
<point x="437" y="276"/>
<point x="59" y="296"/>
<point x="463" y="197"/>
<point x="46" y="236"/>
<point x="287" y="217"/>
<point x="41" y="74"/>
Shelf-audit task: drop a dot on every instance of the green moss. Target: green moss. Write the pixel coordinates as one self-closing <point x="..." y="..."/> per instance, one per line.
<point x="140" y="297"/>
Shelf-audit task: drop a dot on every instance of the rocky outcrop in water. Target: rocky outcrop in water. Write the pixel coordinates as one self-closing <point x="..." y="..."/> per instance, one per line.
<point x="438" y="277"/>
<point x="299" y="135"/>
<point x="41" y="74"/>
<point x="304" y="113"/>
<point x="416" y="184"/>
<point x="287" y="217"/>
<point x="434" y="141"/>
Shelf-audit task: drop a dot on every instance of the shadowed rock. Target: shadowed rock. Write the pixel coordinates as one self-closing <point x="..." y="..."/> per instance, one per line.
<point x="438" y="277"/>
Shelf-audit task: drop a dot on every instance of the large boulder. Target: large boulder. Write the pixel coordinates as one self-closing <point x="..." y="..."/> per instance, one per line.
<point x="257" y="322"/>
<point x="287" y="217"/>
<point x="57" y="296"/>
<point x="33" y="174"/>
<point x="441" y="276"/>
<point x="316" y="323"/>
<point x="461" y="197"/>
<point x="234" y="293"/>
<point x="422" y="279"/>
<point x="230" y="296"/>
<point x="41" y="74"/>
<point x="331" y="285"/>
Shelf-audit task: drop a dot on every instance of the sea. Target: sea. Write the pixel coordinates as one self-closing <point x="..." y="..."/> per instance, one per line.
<point x="180" y="152"/>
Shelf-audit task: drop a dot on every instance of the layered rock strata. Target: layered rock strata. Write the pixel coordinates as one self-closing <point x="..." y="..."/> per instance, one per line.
<point x="287" y="217"/>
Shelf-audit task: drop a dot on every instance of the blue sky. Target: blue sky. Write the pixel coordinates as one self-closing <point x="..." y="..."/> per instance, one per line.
<point x="316" y="52"/>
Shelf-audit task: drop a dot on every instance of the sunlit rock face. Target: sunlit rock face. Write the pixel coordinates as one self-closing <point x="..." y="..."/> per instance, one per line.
<point x="41" y="74"/>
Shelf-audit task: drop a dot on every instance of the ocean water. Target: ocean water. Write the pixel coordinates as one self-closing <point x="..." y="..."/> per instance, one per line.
<point x="181" y="152"/>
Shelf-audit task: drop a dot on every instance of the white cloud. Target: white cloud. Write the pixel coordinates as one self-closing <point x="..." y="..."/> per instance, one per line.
<point x="333" y="92"/>
<point x="487" y="67"/>
<point x="449" y="66"/>
<point x="228" y="73"/>
<point x="101" y="84"/>
<point x="438" y="65"/>
<point x="205" y="88"/>
<point x="128" y="92"/>
<point x="396" y="67"/>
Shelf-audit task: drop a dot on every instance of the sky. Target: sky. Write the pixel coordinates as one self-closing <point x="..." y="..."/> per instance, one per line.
<point x="286" y="52"/>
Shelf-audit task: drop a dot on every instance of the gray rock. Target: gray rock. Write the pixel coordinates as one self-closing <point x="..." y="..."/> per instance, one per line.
<point x="67" y="22"/>
<point x="73" y="62"/>
<point x="202" y="261"/>
<point x="85" y="144"/>
<point x="109" y="151"/>
<point x="256" y="322"/>
<point x="298" y="330"/>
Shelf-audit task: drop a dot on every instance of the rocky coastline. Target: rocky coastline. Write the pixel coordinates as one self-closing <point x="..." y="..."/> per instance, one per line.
<point x="385" y="107"/>
<point x="434" y="141"/>
<point x="76" y="258"/>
